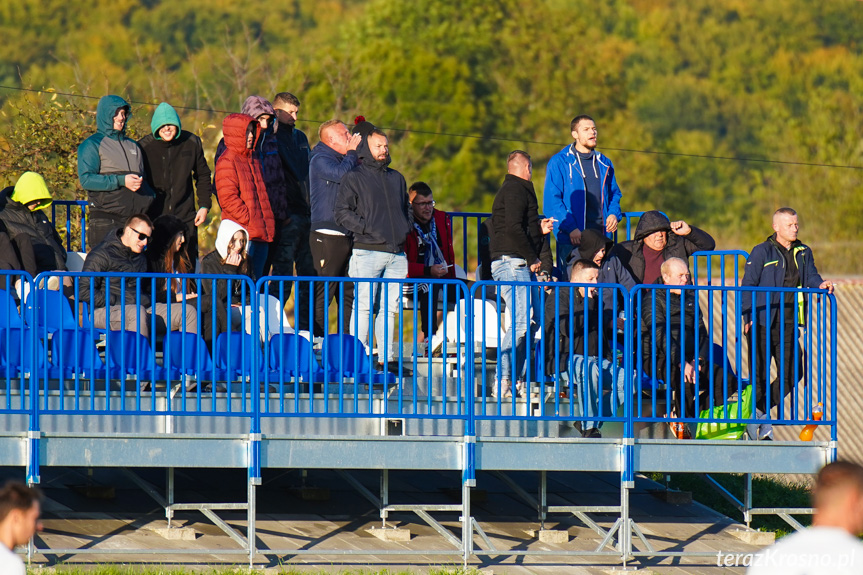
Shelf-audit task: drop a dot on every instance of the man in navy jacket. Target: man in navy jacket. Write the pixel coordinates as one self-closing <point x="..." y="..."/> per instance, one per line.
<point x="333" y="157"/>
<point x="782" y="261"/>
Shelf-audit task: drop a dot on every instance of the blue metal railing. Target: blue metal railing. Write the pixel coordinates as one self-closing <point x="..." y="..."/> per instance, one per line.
<point x="73" y="211"/>
<point x="53" y="365"/>
<point x="61" y="352"/>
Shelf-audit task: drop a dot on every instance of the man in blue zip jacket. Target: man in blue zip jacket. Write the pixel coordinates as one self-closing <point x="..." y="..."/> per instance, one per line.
<point x="781" y="261"/>
<point x="581" y="190"/>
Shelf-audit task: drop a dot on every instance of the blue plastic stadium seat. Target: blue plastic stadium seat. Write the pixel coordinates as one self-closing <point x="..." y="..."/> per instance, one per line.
<point x="73" y="351"/>
<point x="17" y="353"/>
<point x="187" y="354"/>
<point x="129" y="353"/>
<point x="347" y="357"/>
<point x="9" y="316"/>
<point x="234" y="355"/>
<point x="292" y="357"/>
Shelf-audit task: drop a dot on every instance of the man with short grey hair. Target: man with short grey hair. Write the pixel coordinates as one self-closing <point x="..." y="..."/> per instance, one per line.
<point x="782" y="261"/>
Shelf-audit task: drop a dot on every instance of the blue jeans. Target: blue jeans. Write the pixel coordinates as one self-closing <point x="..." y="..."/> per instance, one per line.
<point x="258" y="257"/>
<point x="372" y="264"/>
<point x="600" y="376"/>
<point x="509" y="269"/>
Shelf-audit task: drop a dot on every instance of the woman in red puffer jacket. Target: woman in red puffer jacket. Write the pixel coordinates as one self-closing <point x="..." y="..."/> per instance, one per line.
<point x="241" y="190"/>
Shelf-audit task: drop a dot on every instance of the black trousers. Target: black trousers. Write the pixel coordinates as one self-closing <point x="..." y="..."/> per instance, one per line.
<point x="785" y="349"/>
<point x="100" y="226"/>
<point x="330" y="256"/>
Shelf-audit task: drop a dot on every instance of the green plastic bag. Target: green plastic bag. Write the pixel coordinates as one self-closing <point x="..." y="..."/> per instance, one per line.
<point x="717" y="430"/>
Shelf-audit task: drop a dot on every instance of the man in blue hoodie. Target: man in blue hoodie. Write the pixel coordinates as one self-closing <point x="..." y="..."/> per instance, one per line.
<point x="111" y="169"/>
<point x="581" y="190"/>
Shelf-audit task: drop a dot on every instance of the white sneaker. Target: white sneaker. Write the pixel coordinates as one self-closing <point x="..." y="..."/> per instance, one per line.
<point x="505" y="389"/>
<point x="520" y="388"/>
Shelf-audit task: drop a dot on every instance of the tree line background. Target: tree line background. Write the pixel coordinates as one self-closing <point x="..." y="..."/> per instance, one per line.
<point x="459" y="85"/>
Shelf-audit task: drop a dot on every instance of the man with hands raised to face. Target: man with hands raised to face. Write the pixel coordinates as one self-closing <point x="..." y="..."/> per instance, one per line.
<point x="656" y="240"/>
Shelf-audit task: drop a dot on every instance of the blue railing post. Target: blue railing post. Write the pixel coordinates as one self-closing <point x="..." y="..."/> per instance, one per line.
<point x="33" y="432"/>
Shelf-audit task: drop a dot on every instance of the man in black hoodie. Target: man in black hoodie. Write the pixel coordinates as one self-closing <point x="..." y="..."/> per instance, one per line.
<point x="570" y="314"/>
<point x="291" y="246"/>
<point x="518" y="250"/>
<point x="656" y="240"/>
<point x="372" y="203"/>
<point x="596" y="247"/>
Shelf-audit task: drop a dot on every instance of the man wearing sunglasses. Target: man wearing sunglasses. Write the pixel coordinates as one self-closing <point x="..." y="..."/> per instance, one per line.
<point x="128" y="299"/>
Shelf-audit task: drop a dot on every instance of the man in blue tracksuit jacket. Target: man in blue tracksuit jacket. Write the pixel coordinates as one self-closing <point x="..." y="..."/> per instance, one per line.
<point x="581" y="190"/>
<point x="782" y="261"/>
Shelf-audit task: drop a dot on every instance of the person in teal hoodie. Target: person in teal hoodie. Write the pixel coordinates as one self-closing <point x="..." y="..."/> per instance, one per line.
<point x="111" y="169"/>
<point x="175" y="167"/>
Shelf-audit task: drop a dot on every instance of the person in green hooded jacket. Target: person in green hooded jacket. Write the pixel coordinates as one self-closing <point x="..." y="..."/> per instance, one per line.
<point x="111" y="169"/>
<point x="173" y="160"/>
<point x="22" y="218"/>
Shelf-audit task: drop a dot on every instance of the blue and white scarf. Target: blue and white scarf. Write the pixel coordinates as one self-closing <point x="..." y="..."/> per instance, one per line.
<point x="433" y="253"/>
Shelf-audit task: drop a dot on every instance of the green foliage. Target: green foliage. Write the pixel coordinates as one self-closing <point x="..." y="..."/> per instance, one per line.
<point x="777" y="80"/>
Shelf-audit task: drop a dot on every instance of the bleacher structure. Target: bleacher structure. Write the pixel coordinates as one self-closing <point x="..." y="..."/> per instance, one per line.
<point x="72" y="395"/>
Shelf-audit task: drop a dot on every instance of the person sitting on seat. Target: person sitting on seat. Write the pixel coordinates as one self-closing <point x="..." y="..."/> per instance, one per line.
<point x="675" y="358"/>
<point x="598" y="249"/>
<point x="33" y="244"/>
<point x="165" y="255"/>
<point x="127" y="305"/>
<point x="231" y="257"/>
<point x="656" y="240"/>
<point x="574" y="358"/>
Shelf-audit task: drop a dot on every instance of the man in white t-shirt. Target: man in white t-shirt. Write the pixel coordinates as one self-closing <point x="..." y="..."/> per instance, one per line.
<point x="831" y="545"/>
<point x="19" y="520"/>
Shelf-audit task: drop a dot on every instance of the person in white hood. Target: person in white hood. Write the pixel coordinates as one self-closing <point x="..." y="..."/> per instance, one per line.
<point x="231" y="258"/>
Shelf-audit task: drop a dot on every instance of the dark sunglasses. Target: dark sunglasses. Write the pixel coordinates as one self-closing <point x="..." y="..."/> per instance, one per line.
<point x="141" y="237"/>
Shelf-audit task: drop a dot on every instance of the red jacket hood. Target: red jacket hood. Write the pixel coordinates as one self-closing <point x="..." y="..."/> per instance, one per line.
<point x="235" y="127"/>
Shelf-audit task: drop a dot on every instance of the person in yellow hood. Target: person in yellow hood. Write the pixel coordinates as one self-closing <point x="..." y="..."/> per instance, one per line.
<point x="22" y="219"/>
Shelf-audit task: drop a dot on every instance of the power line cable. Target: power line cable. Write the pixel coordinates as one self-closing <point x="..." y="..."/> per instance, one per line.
<point x="481" y="137"/>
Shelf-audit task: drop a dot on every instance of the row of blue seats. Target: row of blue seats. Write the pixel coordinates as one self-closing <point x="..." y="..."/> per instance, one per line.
<point x="289" y="357"/>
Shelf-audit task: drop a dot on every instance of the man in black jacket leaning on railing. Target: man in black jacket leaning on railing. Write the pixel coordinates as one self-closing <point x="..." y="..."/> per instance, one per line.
<point x="781" y="261"/>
